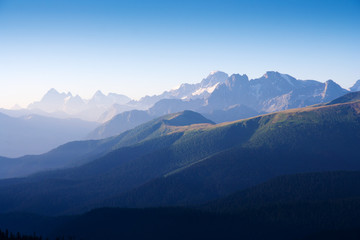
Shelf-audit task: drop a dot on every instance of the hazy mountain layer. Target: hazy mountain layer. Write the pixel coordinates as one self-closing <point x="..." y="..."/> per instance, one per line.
<point x="75" y="106"/>
<point x="34" y="134"/>
<point x="80" y="152"/>
<point x="130" y="119"/>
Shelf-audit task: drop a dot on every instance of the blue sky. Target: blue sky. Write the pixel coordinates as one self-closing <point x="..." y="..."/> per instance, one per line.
<point x="141" y="48"/>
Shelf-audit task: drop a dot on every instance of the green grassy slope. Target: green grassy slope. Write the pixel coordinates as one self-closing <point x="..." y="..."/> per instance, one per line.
<point x="79" y="152"/>
<point x="194" y="164"/>
<point x="295" y="141"/>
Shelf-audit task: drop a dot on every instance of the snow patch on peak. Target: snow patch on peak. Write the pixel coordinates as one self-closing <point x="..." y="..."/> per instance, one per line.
<point x="211" y="89"/>
<point x="203" y="90"/>
<point x="176" y="88"/>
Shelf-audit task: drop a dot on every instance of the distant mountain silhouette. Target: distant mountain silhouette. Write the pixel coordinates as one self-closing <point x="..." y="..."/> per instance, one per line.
<point x="34" y="134"/>
<point x="75" y="106"/>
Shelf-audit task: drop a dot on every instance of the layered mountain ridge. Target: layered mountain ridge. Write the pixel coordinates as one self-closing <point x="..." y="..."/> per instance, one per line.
<point x="167" y="162"/>
<point x="77" y="153"/>
<point x="271" y="92"/>
<point x="292" y="174"/>
<point x="219" y="97"/>
<point x="230" y="98"/>
<point x="91" y="109"/>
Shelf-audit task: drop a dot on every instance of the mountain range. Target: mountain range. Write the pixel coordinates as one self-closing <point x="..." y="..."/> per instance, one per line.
<point x="75" y="106"/>
<point x="217" y="92"/>
<point x="219" y="97"/>
<point x="185" y="159"/>
<point x="227" y="98"/>
<point x="289" y="174"/>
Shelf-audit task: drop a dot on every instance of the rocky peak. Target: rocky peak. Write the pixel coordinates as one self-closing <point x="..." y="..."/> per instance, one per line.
<point x="332" y="89"/>
<point x="214" y="78"/>
<point x="356" y="86"/>
<point x="237" y="80"/>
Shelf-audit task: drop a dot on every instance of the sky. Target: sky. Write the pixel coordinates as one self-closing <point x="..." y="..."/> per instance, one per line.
<point x="143" y="47"/>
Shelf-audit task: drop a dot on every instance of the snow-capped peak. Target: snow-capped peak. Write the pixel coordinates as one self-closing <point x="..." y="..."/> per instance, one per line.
<point x="203" y="90"/>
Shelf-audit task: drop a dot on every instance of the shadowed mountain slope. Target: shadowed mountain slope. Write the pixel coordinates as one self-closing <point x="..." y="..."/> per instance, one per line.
<point x="302" y="206"/>
<point x="77" y="153"/>
<point x="293" y="141"/>
<point x="305" y="187"/>
<point x="181" y="165"/>
<point x="349" y="97"/>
